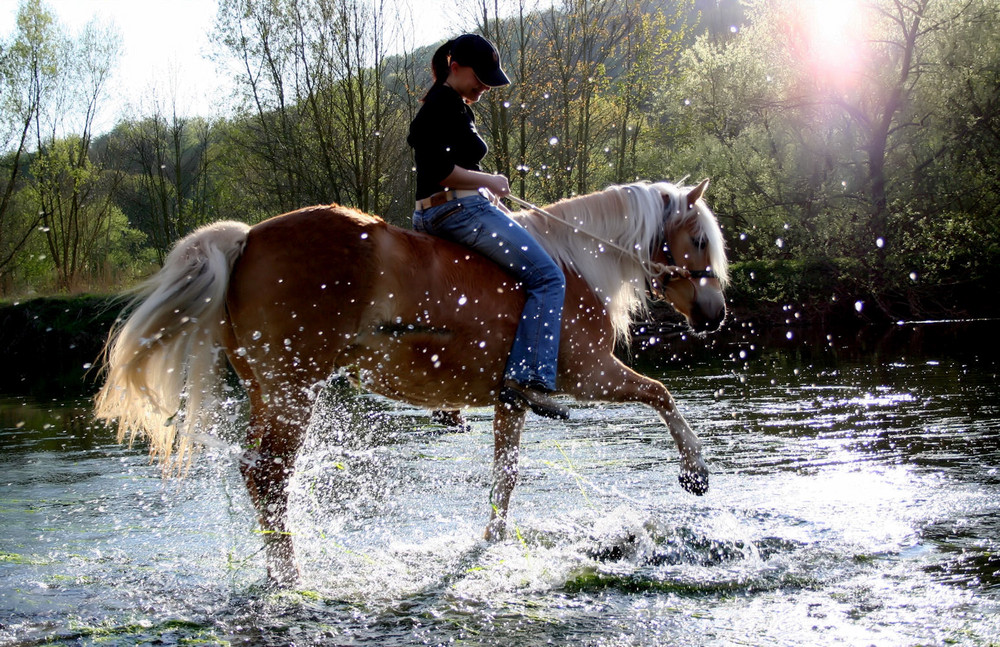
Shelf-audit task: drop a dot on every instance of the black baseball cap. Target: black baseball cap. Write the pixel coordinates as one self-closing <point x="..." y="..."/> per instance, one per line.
<point x="478" y="53"/>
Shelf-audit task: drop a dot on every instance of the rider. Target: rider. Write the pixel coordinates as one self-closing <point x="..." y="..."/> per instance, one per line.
<point x="452" y="203"/>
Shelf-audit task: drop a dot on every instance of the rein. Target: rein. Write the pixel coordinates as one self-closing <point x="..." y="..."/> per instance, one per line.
<point x="653" y="270"/>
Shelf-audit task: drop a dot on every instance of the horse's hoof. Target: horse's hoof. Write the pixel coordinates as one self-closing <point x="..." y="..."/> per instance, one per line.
<point x="694" y="483"/>
<point x="495" y="531"/>
<point x="451" y="419"/>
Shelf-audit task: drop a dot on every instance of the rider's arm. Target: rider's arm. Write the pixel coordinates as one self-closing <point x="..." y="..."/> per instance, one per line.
<point x="461" y="178"/>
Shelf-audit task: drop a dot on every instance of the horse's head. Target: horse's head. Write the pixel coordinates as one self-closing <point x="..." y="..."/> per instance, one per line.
<point x="692" y="242"/>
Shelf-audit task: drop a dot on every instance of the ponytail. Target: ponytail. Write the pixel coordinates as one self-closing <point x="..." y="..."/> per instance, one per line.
<point x="441" y="64"/>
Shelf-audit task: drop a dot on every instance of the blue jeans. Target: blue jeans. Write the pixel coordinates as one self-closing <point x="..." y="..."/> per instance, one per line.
<point x="477" y="224"/>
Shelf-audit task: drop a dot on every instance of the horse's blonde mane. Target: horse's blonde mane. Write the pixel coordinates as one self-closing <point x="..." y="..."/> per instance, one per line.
<point x="632" y="216"/>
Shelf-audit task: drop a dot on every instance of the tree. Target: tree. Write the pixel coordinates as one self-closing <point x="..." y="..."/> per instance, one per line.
<point x="171" y="190"/>
<point x="74" y="193"/>
<point x="578" y="42"/>
<point x="320" y="121"/>
<point x="28" y="66"/>
<point x="647" y="55"/>
<point x="826" y="147"/>
<point x="254" y="33"/>
<point x="585" y="71"/>
<point x="352" y="108"/>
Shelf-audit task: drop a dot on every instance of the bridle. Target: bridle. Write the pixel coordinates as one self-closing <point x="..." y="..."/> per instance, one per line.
<point x="671" y="261"/>
<point x="693" y="274"/>
<point x="654" y="271"/>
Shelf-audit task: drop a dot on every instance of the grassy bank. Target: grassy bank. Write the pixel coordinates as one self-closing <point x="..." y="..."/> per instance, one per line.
<point x="51" y="345"/>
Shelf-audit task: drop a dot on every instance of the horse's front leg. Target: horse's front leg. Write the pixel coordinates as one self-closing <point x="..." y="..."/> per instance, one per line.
<point x="694" y="471"/>
<point x="607" y="379"/>
<point x="507" y="425"/>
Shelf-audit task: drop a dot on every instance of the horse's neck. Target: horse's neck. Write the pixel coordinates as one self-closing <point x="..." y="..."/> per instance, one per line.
<point x="615" y="278"/>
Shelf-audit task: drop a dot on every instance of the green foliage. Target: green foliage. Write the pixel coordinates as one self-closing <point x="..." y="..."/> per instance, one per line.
<point x="870" y="156"/>
<point x="50" y="344"/>
<point x="845" y="166"/>
<point x="817" y="287"/>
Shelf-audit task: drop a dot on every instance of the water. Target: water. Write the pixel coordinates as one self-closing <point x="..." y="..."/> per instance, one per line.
<point x="854" y="500"/>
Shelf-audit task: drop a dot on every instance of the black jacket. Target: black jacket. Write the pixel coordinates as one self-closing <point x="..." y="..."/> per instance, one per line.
<point x="443" y="135"/>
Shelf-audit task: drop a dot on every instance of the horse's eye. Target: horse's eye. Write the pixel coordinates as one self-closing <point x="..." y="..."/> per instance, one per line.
<point x="700" y="243"/>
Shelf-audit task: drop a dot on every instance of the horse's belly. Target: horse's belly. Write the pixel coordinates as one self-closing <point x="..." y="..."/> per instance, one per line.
<point x="434" y="369"/>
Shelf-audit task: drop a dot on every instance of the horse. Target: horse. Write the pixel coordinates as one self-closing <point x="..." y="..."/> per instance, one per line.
<point x="302" y="296"/>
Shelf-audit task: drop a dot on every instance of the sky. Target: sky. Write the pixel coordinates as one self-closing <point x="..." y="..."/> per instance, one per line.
<point x="164" y="45"/>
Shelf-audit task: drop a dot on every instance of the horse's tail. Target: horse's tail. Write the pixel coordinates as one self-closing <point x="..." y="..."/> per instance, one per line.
<point x="162" y="361"/>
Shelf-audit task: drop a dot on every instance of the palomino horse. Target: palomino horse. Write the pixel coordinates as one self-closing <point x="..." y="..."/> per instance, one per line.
<point x="300" y="296"/>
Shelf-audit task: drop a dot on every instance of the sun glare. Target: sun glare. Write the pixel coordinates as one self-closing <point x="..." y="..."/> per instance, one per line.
<point x="834" y="32"/>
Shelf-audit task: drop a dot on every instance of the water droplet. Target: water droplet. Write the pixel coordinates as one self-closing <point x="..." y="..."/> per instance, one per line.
<point x="256" y="335"/>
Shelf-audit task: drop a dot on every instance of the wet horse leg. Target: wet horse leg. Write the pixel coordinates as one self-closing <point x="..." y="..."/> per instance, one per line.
<point x="277" y="430"/>
<point x="611" y="381"/>
<point x="507" y="425"/>
<point x="694" y="471"/>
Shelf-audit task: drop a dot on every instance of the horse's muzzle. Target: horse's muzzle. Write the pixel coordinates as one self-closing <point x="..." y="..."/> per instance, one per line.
<point x="705" y="322"/>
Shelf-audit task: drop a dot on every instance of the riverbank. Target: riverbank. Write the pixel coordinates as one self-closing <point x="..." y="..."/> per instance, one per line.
<point x="52" y="345"/>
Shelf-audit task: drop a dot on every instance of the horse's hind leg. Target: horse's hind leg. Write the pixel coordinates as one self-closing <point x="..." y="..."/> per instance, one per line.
<point x="277" y="430"/>
<point x="607" y="379"/>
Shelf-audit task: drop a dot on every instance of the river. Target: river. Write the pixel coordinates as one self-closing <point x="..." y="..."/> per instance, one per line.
<point x="855" y="500"/>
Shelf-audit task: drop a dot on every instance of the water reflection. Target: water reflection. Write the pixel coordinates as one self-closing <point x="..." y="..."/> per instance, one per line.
<point x="854" y="499"/>
<point x="28" y="425"/>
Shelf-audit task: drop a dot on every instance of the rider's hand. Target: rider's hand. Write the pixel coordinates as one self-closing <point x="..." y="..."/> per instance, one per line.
<point x="499" y="185"/>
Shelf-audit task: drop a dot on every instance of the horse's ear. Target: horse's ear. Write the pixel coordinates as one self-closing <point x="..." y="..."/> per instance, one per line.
<point x="696" y="193"/>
